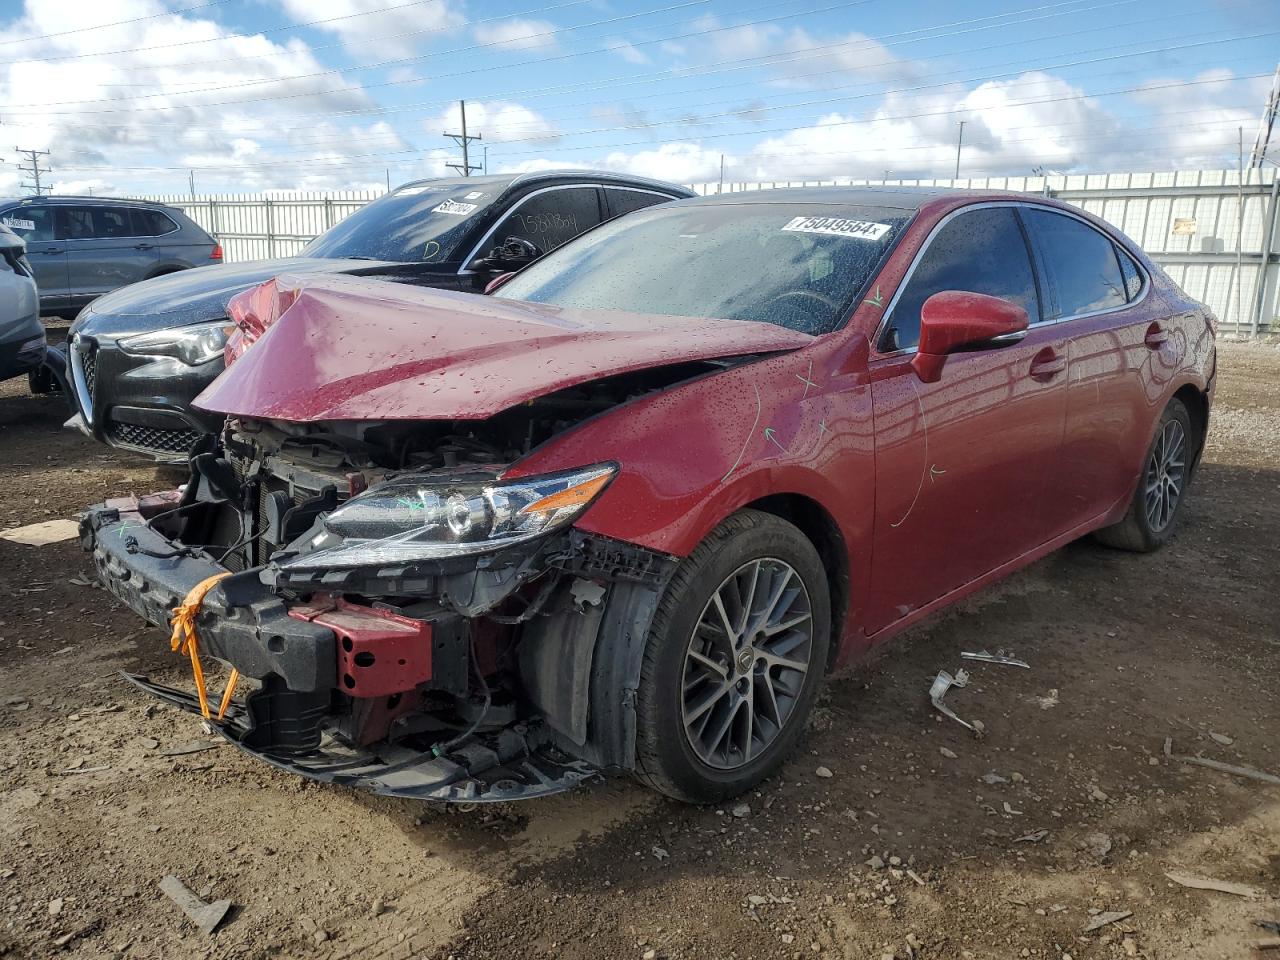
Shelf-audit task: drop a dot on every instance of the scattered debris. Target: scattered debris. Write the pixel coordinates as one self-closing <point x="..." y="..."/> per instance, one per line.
<point x="949" y="754"/>
<point x="1269" y="943"/>
<point x="1104" y="919"/>
<point x="824" y="773"/>
<point x="1208" y="883"/>
<point x="1271" y="926"/>
<point x="992" y="778"/>
<point x="1035" y="836"/>
<point x="1221" y="738"/>
<point x="941" y="684"/>
<point x="191" y="746"/>
<point x="999" y="657"/>
<point x="1098" y="845"/>
<point x="40" y="534"/>
<point x="1048" y="701"/>
<point x="659" y="853"/>
<point x="916" y="877"/>
<point x="742" y="810"/>
<point x="1231" y="768"/>
<point x="55" y="906"/>
<point x="74" y="770"/>
<point x="206" y="916"/>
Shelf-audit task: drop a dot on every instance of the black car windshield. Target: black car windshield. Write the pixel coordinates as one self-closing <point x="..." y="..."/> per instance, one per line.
<point x="797" y="265"/>
<point x="421" y="222"/>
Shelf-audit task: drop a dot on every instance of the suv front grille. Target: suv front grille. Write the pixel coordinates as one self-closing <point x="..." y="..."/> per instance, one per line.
<point x="152" y="439"/>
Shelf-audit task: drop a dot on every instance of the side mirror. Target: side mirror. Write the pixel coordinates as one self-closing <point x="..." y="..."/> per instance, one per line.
<point x="512" y="254"/>
<point x="955" y="320"/>
<point x="498" y="281"/>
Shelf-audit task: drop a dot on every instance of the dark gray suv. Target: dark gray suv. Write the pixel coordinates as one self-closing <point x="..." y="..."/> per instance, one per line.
<point x="83" y="247"/>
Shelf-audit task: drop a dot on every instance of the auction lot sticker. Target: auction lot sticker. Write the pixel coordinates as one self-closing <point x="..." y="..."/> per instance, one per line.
<point x="452" y="206"/>
<point x="13" y="223"/>
<point x="838" y="227"/>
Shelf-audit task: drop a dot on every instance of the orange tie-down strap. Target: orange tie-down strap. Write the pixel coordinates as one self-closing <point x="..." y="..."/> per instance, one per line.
<point x="185" y="640"/>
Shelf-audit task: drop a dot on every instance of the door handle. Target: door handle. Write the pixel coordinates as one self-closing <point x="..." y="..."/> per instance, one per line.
<point x="1046" y="365"/>
<point x="144" y="246"/>
<point x="55" y="250"/>
<point x="1156" y="337"/>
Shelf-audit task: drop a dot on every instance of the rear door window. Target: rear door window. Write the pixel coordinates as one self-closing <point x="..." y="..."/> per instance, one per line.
<point x="31" y="223"/>
<point x="552" y="218"/>
<point x="1080" y="264"/>
<point x="74" y="223"/>
<point x="980" y="251"/>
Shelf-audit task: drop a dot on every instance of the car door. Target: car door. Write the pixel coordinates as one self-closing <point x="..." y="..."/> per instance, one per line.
<point x="1122" y="352"/>
<point x="48" y="257"/>
<point x="102" y="251"/>
<point x="962" y="464"/>
<point x="154" y="231"/>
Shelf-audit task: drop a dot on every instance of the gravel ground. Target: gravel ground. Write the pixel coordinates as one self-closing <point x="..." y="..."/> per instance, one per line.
<point x="923" y="842"/>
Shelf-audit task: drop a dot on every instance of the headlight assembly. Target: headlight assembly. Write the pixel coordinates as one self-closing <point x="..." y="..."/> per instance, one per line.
<point x="192" y="345"/>
<point x="410" y="518"/>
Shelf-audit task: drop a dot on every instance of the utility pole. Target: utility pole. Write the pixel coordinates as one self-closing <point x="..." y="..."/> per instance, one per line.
<point x="720" y="189"/>
<point x="1263" y="139"/>
<point x="34" y="169"/>
<point x="959" y="144"/>
<point x="1240" y="231"/>
<point x="486" y="157"/>
<point x="191" y="182"/>
<point x="464" y="141"/>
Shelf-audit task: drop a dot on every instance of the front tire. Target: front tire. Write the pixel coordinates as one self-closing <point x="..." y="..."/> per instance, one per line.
<point x="1162" y="489"/>
<point x="734" y="659"/>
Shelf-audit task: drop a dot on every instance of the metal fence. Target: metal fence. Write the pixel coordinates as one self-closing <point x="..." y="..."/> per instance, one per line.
<point x="1215" y="236"/>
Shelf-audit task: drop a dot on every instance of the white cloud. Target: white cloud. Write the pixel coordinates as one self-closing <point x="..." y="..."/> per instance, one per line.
<point x="370" y="30"/>
<point x="517" y="34"/>
<point x="99" y="115"/>
<point x="628" y="51"/>
<point x="496" y="121"/>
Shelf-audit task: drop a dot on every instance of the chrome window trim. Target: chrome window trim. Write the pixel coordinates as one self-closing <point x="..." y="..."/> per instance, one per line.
<point x="928" y="242"/>
<point x="470" y="257"/>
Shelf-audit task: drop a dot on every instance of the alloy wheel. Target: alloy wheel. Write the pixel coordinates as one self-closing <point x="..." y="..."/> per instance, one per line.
<point x="746" y="663"/>
<point x="1166" y="472"/>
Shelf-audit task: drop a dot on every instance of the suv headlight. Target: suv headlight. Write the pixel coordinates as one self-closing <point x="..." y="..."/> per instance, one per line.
<point x="410" y="518"/>
<point x="192" y="345"/>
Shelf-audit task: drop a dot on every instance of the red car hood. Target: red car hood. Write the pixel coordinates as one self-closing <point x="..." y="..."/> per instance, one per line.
<point x="347" y="348"/>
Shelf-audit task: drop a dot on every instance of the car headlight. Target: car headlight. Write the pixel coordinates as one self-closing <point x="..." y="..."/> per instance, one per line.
<point x="412" y="517"/>
<point x="192" y="345"/>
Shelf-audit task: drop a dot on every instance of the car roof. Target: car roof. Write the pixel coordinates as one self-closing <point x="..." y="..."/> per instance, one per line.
<point x="889" y="196"/>
<point x="72" y="198"/>
<point x="508" y="180"/>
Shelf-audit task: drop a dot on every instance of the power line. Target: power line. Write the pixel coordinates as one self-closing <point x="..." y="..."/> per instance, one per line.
<point x="117" y="23"/>
<point x="880" y="119"/>
<point x="388" y="83"/>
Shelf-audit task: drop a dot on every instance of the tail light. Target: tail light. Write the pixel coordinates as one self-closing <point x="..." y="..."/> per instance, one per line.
<point x="217" y="252"/>
<point x="252" y="312"/>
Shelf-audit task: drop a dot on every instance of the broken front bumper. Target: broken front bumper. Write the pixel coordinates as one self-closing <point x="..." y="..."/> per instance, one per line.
<point x="300" y="655"/>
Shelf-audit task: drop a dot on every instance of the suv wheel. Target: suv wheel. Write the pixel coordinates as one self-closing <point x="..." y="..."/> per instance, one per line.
<point x="734" y="659"/>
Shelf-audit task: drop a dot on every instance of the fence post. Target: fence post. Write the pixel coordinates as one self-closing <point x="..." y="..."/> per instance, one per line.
<point x="214" y="227"/>
<point x="328" y="212"/>
<point x="1264" y="268"/>
<point x="271" y="229"/>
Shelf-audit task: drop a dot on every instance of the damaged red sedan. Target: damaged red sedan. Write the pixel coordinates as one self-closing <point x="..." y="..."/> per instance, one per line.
<point x="627" y="512"/>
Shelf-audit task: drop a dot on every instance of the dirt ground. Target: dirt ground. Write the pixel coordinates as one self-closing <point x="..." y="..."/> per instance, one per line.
<point x="923" y="842"/>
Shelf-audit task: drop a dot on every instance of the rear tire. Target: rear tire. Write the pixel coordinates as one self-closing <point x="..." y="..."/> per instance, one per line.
<point x="743" y="612"/>
<point x="1161" y="491"/>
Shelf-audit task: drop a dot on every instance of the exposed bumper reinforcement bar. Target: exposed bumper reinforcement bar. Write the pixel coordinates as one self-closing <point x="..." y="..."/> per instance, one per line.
<point x="515" y="769"/>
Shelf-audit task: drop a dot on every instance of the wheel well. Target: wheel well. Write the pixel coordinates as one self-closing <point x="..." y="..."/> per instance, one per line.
<point x="1197" y="405"/>
<point x="815" y="523"/>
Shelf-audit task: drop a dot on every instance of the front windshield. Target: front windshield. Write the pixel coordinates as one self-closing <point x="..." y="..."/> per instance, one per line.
<point x="797" y="265"/>
<point x="418" y="223"/>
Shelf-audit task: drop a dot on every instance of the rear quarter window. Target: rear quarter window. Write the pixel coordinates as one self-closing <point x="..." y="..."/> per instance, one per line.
<point x="152" y="223"/>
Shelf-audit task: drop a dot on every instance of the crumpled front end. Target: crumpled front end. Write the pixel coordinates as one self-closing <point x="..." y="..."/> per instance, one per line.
<point x="374" y="649"/>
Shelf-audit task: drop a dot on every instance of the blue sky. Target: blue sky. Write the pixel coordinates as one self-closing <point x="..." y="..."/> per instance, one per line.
<point x="130" y="95"/>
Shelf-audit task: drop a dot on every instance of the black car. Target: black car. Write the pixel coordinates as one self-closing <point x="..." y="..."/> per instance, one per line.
<point x="139" y="356"/>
